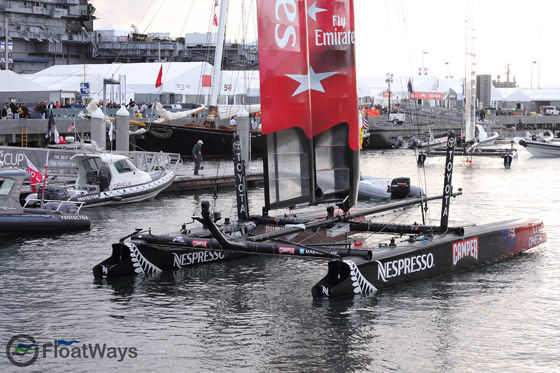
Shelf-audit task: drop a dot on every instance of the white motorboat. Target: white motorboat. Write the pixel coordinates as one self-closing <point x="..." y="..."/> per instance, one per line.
<point x="541" y="149"/>
<point x="387" y="188"/>
<point x="109" y="179"/>
<point x="485" y="138"/>
<point x="545" y="136"/>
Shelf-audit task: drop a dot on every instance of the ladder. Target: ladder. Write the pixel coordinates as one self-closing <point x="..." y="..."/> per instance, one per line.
<point x="24" y="137"/>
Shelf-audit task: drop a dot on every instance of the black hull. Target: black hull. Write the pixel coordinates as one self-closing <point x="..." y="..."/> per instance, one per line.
<point x="152" y="254"/>
<point x="175" y="139"/>
<point x="42" y="223"/>
<point x="414" y="261"/>
<point x="379" y="140"/>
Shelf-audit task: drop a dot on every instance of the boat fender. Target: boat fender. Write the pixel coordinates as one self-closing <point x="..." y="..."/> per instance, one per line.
<point x="117" y="198"/>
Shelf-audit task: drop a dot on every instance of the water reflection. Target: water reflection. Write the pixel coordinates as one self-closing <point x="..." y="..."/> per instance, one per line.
<point x="257" y="314"/>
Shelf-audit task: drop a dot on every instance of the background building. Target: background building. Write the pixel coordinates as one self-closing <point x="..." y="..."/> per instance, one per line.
<point x="44" y="33"/>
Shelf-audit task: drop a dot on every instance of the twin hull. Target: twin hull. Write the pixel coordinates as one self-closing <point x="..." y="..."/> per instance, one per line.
<point x="417" y="260"/>
<point x="390" y="266"/>
<point x="148" y="254"/>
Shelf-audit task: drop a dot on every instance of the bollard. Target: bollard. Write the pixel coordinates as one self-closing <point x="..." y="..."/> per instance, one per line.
<point x="123" y="133"/>
<point x="99" y="129"/>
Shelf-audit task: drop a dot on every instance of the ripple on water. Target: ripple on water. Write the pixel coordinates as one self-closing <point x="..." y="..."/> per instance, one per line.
<point x="257" y="314"/>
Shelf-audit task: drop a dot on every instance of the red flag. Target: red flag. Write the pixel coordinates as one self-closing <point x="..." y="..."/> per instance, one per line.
<point x="215" y="17"/>
<point x="36" y="176"/>
<point x="158" y="80"/>
<point x="206" y="80"/>
<point x="308" y="71"/>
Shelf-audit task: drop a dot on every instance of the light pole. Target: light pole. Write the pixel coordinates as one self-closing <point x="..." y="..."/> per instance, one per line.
<point x="423" y="70"/>
<point x="448" y="70"/>
<point x="389" y="80"/>
<point x="534" y="62"/>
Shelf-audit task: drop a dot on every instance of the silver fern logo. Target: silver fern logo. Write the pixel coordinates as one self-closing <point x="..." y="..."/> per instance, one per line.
<point x="360" y="284"/>
<point x="140" y="263"/>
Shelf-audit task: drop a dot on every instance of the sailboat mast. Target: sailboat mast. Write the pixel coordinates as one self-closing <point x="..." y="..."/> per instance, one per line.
<point x="469" y="74"/>
<point x="217" y="73"/>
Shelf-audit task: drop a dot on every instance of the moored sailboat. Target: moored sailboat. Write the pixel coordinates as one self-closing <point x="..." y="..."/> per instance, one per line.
<point x="312" y="158"/>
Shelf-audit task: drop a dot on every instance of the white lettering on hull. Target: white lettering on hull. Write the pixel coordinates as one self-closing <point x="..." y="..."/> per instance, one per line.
<point x="404" y="266"/>
<point x="465" y="249"/>
<point x="196" y="257"/>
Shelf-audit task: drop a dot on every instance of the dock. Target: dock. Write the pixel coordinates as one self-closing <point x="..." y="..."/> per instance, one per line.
<point x="210" y="178"/>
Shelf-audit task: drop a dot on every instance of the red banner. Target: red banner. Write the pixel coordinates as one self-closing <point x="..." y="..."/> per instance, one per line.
<point x="386" y="94"/>
<point x="426" y="96"/>
<point x="307" y="66"/>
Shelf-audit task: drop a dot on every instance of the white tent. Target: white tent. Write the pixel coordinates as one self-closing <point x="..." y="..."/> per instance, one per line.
<point x="181" y="78"/>
<point x="13" y="82"/>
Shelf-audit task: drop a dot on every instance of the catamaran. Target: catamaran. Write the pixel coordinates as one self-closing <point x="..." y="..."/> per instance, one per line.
<point x="311" y="132"/>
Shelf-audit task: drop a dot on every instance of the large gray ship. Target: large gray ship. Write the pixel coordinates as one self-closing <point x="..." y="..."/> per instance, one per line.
<point x="44" y="33"/>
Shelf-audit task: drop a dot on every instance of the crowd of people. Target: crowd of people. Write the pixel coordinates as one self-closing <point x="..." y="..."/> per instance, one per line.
<point x="20" y="110"/>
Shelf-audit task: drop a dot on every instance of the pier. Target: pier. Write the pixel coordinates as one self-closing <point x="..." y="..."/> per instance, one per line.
<point x="383" y="133"/>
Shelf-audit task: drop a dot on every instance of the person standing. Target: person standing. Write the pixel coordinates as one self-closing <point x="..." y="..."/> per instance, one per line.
<point x="232" y="122"/>
<point x="197" y="155"/>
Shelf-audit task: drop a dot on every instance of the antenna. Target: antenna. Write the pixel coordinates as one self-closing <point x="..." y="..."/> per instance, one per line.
<point x="507" y="71"/>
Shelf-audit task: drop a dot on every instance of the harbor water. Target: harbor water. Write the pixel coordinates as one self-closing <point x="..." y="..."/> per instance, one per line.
<point x="257" y="314"/>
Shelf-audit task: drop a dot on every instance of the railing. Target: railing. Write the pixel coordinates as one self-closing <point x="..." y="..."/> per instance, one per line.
<point x="149" y="161"/>
<point x="64" y="113"/>
<point x="34" y="201"/>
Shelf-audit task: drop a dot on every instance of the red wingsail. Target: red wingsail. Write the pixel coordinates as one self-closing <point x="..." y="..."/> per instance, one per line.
<point x="309" y="101"/>
<point x="283" y="57"/>
<point x="334" y="92"/>
<point x="308" y="72"/>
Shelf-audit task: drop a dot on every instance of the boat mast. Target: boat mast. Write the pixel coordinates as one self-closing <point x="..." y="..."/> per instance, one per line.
<point x="469" y="75"/>
<point x="6" y="50"/>
<point x="217" y="72"/>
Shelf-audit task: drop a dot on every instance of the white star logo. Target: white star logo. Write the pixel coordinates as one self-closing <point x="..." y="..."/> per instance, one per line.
<point x="313" y="10"/>
<point x="310" y="81"/>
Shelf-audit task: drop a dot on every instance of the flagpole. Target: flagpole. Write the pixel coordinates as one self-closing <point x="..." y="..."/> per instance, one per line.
<point x="45" y="180"/>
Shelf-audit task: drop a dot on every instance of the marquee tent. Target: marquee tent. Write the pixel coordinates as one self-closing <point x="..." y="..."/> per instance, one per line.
<point x="13" y="82"/>
<point x="179" y="78"/>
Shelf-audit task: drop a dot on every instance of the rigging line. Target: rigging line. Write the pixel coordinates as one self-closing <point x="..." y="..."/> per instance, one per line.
<point x="415" y="108"/>
<point x="409" y="210"/>
<point x="172" y="59"/>
<point x="155" y="14"/>
<point x="206" y="54"/>
<point x="189" y="11"/>
<point x="146" y="12"/>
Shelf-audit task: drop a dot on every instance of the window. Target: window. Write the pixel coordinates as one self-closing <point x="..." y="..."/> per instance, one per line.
<point x="124" y="165"/>
<point x="6" y="186"/>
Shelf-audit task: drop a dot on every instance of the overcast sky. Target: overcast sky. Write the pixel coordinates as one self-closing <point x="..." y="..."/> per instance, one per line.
<point x="393" y="34"/>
